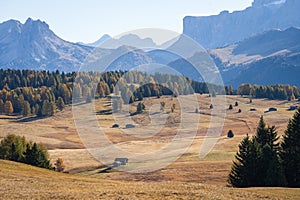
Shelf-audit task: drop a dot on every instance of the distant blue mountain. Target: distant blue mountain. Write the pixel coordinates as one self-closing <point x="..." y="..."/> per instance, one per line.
<point x="268" y="58"/>
<point x="133" y="40"/>
<point x="33" y="45"/>
<point x="227" y="28"/>
<point x="98" y="42"/>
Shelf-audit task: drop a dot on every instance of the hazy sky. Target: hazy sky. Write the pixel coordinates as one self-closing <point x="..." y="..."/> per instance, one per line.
<point x="88" y="20"/>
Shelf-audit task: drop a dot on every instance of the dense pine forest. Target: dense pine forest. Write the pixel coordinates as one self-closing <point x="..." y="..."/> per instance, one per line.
<point x="42" y="93"/>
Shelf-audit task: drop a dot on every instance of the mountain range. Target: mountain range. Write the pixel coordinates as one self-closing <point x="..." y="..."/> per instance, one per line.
<point x="33" y="45"/>
<point x="268" y="58"/>
<point x="265" y="55"/>
<point x="227" y="28"/>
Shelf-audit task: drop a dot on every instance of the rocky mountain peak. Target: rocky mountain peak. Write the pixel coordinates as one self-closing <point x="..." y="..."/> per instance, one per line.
<point x="260" y="3"/>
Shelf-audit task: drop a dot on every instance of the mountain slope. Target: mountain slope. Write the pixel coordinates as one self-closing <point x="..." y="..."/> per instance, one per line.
<point x="34" y="46"/>
<point x="227" y="28"/>
<point x="98" y="42"/>
<point x="268" y="58"/>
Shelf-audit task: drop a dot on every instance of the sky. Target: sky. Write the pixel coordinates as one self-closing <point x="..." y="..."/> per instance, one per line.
<point x="87" y="20"/>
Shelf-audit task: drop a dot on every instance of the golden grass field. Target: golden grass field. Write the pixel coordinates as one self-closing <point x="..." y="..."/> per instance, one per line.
<point x="189" y="177"/>
<point x="19" y="181"/>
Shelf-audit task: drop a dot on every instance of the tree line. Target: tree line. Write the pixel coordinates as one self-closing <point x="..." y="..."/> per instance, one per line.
<point x="18" y="149"/>
<point x="263" y="160"/>
<point x="278" y="92"/>
<point x="42" y="93"/>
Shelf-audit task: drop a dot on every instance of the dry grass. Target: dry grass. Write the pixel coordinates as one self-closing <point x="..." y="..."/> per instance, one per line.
<point x="188" y="177"/>
<point x="19" y="181"/>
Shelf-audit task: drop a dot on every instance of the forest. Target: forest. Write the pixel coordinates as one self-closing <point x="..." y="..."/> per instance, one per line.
<point x="43" y="93"/>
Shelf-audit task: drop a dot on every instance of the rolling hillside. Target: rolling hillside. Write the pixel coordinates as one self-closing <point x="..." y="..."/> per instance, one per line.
<point x="19" y="181"/>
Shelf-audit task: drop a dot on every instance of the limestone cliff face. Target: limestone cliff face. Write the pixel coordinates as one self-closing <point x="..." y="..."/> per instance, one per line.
<point x="227" y="28"/>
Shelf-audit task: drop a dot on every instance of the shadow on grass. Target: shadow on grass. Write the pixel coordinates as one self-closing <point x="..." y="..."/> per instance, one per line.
<point x="30" y="119"/>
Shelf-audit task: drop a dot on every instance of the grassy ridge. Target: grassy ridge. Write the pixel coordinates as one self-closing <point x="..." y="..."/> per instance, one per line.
<point x="19" y="181"/>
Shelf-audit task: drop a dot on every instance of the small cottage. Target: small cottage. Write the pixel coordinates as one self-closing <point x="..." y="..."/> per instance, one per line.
<point x="121" y="161"/>
<point x="293" y="108"/>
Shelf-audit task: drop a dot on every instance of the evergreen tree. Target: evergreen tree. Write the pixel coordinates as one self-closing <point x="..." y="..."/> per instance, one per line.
<point x="236" y="104"/>
<point x="37" y="155"/>
<point x="258" y="163"/>
<point x="230" y="134"/>
<point x="272" y="172"/>
<point x="26" y="110"/>
<point x="48" y="108"/>
<point x="244" y="168"/>
<point x="261" y="136"/>
<point x="12" y="147"/>
<point x="1" y="106"/>
<point x="53" y="108"/>
<point x="266" y="135"/>
<point x="60" y="103"/>
<point x="140" y="107"/>
<point x="290" y="153"/>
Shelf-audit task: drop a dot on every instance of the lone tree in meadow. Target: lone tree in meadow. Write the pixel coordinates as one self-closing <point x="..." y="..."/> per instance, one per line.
<point x="60" y="166"/>
<point x="290" y="152"/>
<point x="230" y="134"/>
<point x="140" y="107"/>
<point x="236" y="104"/>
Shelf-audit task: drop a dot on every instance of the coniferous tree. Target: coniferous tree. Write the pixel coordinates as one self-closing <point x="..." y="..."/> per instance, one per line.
<point x="258" y="156"/>
<point x="1" y="106"/>
<point x="266" y="135"/>
<point x="60" y="103"/>
<point x="12" y="147"/>
<point x="261" y="136"/>
<point x="272" y="172"/>
<point x="290" y="152"/>
<point x="140" y="107"/>
<point x="244" y="168"/>
<point x="37" y="155"/>
<point x="26" y="110"/>
<point x="230" y="134"/>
